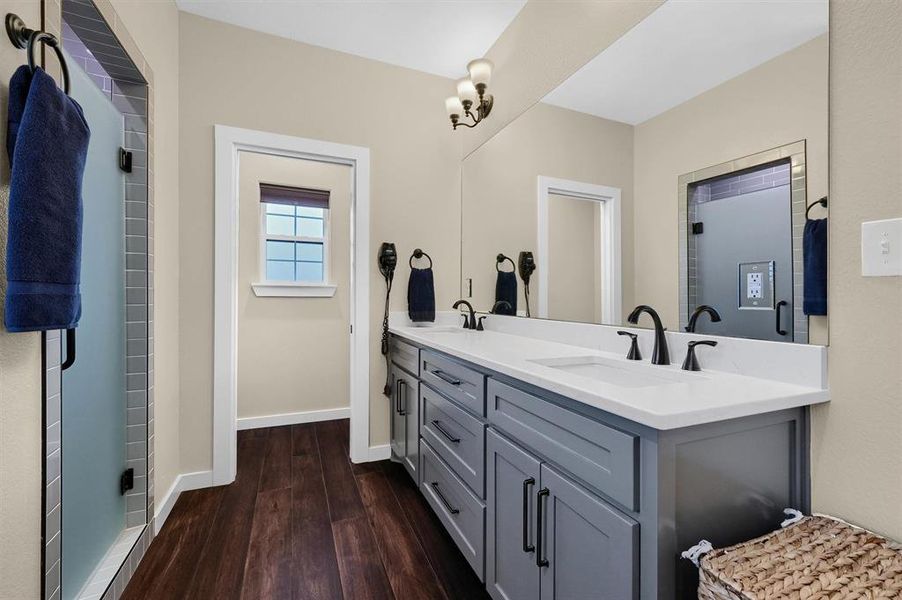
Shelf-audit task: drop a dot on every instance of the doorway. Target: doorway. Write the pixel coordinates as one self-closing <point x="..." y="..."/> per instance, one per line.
<point x="294" y="285"/>
<point x="229" y="143"/>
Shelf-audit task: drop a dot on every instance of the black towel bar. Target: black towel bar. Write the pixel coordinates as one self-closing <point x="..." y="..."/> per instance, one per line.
<point x="23" y="37"/>
<point x="419" y="254"/>
<point x="822" y="202"/>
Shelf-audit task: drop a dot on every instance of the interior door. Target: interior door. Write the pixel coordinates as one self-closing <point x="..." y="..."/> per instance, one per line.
<point x="398" y="419"/>
<point x="588" y="548"/>
<point x="411" y="403"/>
<point x="93" y="388"/>
<point x="745" y="264"/>
<point x="511" y="570"/>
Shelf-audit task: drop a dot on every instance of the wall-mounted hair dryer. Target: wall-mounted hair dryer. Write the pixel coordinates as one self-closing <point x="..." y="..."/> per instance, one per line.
<point x="526" y="265"/>
<point x="388" y="260"/>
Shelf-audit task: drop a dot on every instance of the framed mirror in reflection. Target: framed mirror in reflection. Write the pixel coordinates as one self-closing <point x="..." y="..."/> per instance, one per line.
<point x="684" y="167"/>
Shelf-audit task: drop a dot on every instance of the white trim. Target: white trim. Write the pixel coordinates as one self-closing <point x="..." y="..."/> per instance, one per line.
<point x="183" y="483"/>
<point x="611" y="269"/>
<point x="285" y="289"/>
<point x="228" y="141"/>
<point x="382" y="452"/>
<point x="307" y="416"/>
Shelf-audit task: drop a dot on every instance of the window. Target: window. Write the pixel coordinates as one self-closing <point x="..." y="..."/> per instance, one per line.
<point x="295" y="234"/>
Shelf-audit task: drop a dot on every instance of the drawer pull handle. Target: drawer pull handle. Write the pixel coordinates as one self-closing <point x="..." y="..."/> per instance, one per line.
<point x="445" y="433"/>
<point x="402" y="397"/>
<point x="540" y="509"/>
<point x="446" y="378"/>
<point x="441" y="497"/>
<point x="527" y="547"/>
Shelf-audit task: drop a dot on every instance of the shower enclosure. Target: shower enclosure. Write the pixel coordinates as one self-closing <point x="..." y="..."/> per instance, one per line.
<point x="98" y="378"/>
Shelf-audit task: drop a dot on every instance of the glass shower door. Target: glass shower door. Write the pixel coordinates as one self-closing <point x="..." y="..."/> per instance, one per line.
<point x="94" y="387"/>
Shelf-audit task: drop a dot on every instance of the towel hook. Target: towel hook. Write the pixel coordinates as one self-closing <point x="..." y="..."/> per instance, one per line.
<point x="822" y="202"/>
<point x="419" y="254"/>
<point x="499" y="260"/>
<point x="23" y="37"/>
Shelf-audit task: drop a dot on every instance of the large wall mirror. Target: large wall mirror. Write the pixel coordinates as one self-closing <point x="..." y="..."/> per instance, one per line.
<point x="685" y="166"/>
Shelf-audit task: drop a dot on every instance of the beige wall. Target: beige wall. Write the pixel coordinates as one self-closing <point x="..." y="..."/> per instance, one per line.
<point x="153" y="26"/>
<point x="574" y="272"/>
<point x="20" y="395"/>
<point x="857" y="448"/>
<point x="500" y="188"/>
<point x="779" y="102"/>
<point x="243" y="78"/>
<point x="292" y="352"/>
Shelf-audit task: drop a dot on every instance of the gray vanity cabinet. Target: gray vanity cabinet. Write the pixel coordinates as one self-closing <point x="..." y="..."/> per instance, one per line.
<point x="588" y="549"/>
<point x="513" y="474"/>
<point x="549" y="538"/>
<point x="404" y="419"/>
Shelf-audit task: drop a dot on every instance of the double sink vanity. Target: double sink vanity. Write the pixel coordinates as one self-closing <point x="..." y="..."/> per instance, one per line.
<point x="563" y="470"/>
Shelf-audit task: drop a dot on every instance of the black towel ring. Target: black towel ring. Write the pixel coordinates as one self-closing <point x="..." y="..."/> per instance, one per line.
<point x="822" y="202"/>
<point x="419" y="254"/>
<point x="500" y="259"/>
<point x="23" y="37"/>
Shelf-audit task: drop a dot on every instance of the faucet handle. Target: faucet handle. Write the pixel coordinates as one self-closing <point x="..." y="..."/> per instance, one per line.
<point x="691" y="362"/>
<point x="466" y="320"/>
<point x="479" y="325"/>
<point x="634" y="353"/>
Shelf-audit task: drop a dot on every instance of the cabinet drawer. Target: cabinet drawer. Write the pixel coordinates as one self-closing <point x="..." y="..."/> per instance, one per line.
<point x="462" y="513"/>
<point x="602" y="457"/>
<point x="406" y="356"/>
<point x="456" y="381"/>
<point x="456" y="436"/>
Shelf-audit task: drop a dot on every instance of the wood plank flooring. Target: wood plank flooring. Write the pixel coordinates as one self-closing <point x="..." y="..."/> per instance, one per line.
<point x="301" y="522"/>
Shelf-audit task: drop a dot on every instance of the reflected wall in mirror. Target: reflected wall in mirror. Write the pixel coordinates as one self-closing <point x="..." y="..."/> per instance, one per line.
<point x="675" y="169"/>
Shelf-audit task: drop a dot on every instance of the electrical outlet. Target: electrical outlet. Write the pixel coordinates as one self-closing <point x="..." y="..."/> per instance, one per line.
<point x="881" y="248"/>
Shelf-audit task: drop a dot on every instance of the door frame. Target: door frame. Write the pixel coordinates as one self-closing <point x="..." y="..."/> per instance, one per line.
<point x="611" y="266"/>
<point x="229" y="141"/>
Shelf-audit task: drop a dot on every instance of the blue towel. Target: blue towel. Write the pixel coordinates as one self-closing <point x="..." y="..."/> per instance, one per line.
<point x="814" y="246"/>
<point x="421" y="295"/>
<point x="506" y="290"/>
<point x="47" y="142"/>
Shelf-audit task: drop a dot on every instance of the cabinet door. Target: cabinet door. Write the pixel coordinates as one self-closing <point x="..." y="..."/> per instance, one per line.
<point x="513" y="475"/>
<point x="410" y="403"/>
<point x="588" y="549"/>
<point x="398" y="421"/>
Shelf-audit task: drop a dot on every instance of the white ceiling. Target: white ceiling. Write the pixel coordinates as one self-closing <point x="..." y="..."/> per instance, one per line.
<point x="684" y="48"/>
<point x="435" y="36"/>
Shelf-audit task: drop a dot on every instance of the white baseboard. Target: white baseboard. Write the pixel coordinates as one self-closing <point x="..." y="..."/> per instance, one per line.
<point x="307" y="416"/>
<point x="182" y="483"/>
<point x="382" y="452"/>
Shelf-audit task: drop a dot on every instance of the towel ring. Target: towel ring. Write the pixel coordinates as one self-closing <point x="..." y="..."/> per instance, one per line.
<point x="23" y="37"/>
<point x="419" y="254"/>
<point x="822" y="202"/>
<point x="499" y="260"/>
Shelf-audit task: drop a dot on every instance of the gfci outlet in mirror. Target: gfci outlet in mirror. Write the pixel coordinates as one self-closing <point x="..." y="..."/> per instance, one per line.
<point x="881" y="248"/>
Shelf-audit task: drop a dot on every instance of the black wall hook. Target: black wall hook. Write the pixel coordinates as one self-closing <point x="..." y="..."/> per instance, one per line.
<point x="23" y="37"/>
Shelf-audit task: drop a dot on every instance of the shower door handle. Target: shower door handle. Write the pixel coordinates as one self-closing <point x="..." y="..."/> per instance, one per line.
<point x="70" y="349"/>
<point x="780" y="304"/>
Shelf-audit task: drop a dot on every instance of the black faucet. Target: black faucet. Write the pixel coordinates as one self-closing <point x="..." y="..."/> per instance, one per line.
<point x="691" y="362"/>
<point x="660" y="355"/>
<point x="501" y="304"/>
<point x="471" y="321"/>
<point x="704" y="308"/>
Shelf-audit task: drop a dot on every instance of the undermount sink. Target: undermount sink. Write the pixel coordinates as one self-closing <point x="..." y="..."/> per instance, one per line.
<point x="440" y="329"/>
<point x="617" y="372"/>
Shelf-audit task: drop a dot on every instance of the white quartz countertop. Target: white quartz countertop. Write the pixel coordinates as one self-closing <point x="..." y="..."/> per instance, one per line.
<point x="687" y="399"/>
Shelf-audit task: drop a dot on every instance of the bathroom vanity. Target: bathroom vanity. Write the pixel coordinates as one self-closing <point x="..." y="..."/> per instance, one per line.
<point x="562" y="470"/>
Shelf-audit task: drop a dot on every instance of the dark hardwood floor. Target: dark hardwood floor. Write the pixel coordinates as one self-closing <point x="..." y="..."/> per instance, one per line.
<point x="302" y="522"/>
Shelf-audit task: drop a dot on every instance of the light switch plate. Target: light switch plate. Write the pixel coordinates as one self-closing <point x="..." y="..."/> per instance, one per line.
<point x="881" y="248"/>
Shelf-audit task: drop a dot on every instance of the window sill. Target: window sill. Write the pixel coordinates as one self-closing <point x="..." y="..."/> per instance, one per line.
<point x="293" y="290"/>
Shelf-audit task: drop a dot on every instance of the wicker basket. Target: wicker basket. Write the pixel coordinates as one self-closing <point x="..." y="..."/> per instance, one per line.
<point x="818" y="558"/>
